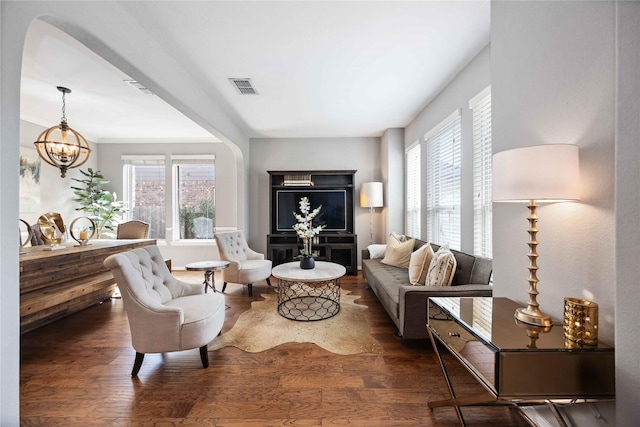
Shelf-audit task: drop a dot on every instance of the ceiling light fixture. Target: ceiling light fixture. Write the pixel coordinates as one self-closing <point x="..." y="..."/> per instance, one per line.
<point x="61" y="146"/>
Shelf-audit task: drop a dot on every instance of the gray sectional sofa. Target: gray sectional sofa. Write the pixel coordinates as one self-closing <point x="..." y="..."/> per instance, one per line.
<point x="407" y="304"/>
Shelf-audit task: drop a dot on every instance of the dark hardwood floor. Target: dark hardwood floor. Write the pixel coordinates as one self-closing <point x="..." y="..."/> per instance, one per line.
<point x="77" y="372"/>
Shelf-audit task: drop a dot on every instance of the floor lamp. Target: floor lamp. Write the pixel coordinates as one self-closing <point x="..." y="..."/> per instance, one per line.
<point x="371" y="197"/>
<point x="543" y="173"/>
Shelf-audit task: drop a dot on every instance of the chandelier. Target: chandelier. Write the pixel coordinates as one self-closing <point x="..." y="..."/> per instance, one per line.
<point x="61" y="146"/>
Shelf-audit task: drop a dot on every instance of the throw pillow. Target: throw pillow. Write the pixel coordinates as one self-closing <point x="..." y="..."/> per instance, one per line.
<point x="400" y="237"/>
<point x="419" y="264"/>
<point x="398" y="253"/>
<point x="376" y="251"/>
<point x="442" y="268"/>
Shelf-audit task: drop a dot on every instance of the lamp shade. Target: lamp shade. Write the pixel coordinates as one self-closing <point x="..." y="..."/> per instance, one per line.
<point x="371" y="195"/>
<point x="548" y="173"/>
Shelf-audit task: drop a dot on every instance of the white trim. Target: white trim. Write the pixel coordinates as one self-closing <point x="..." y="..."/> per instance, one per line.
<point x="143" y="159"/>
<point x="412" y="146"/>
<point x="473" y="102"/>
<point x="443" y="123"/>
<point x="175" y="157"/>
<point x="194" y="140"/>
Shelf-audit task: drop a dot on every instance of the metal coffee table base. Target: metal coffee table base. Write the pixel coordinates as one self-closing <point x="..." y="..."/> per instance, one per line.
<point x="308" y="301"/>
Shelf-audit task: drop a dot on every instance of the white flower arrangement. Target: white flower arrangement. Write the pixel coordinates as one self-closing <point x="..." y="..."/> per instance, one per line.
<point x="304" y="228"/>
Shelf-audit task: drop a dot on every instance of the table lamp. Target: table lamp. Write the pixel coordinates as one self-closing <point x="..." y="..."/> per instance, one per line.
<point x="371" y="197"/>
<point x="542" y="173"/>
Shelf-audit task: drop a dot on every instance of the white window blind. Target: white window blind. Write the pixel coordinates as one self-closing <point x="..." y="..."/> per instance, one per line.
<point x="443" y="182"/>
<point x="144" y="190"/>
<point x="413" y="190"/>
<point x="194" y="196"/>
<point x="482" y="208"/>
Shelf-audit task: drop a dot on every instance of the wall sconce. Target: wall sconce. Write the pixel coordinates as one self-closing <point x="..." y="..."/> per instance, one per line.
<point x="61" y="146"/>
<point x="545" y="173"/>
<point x="371" y="197"/>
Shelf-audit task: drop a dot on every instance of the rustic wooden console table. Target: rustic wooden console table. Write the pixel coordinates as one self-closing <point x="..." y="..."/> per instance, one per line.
<point x="54" y="284"/>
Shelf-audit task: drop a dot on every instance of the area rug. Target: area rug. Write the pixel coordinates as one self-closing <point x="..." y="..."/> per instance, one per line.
<point x="261" y="328"/>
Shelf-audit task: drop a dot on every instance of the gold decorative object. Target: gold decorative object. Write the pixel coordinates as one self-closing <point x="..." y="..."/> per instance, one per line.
<point x="543" y="173"/>
<point x="533" y="332"/>
<point x="580" y="321"/>
<point x="29" y="234"/>
<point x="85" y="234"/>
<point x="65" y="151"/>
<point x="52" y="229"/>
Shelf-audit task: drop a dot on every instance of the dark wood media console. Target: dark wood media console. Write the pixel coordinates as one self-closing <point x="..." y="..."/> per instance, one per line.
<point x="335" y="191"/>
<point x="54" y="284"/>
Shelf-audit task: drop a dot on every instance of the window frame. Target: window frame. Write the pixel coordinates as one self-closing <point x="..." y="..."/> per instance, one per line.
<point x="412" y="194"/>
<point x="444" y="185"/>
<point x="480" y="106"/>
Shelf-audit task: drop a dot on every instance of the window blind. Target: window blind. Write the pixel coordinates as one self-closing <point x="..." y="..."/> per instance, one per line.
<point x="412" y="222"/>
<point x="482" y="207"/>
<point x="444" y="155"/>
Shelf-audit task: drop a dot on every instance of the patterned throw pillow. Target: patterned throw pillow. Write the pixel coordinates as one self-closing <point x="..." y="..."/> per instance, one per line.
<point x="419" y="264"/>
<point x="398" y="253"/>
<point x="442" y="268"/>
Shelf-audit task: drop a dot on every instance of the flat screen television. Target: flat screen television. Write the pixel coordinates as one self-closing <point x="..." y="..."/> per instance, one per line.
<point x="333" y="213"/>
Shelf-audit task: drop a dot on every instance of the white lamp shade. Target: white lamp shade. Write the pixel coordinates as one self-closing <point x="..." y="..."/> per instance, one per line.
<point x="371" y="195"/>
<point x="548" y="173"/>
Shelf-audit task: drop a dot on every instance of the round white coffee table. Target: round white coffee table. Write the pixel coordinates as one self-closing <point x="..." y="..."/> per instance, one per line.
<point x="209" y="267"/>
<point x="308" y="295"/>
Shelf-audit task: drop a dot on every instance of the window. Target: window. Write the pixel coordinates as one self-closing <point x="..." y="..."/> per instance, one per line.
<point x="413" y="190"/>
<point x="144" y="187"/>
<point x="482" y="208"/>
<point x="443" y="182"/>
<point x="195" y="185"/>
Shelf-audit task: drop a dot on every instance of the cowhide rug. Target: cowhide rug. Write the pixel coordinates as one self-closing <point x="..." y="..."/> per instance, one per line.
<point x="261" y="328"/>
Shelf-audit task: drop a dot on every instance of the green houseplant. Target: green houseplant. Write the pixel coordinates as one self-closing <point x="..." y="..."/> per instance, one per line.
<point x="101" y="205"/>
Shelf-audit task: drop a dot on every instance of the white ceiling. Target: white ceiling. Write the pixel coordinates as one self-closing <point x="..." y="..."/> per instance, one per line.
<point x="322" y="69"/>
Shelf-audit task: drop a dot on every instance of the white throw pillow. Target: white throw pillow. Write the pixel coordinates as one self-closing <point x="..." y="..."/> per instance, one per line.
<point x="419" y="264"/>
<point x="442" y="268"/>
<point x="398" y="253"/>
<point x="376" y="251"/>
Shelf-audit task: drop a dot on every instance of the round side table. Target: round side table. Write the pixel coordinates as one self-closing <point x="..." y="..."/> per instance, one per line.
<point x="209" y="267"/>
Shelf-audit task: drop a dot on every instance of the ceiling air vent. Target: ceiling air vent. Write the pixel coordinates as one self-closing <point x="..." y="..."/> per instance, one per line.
<point x="243" y="86"/>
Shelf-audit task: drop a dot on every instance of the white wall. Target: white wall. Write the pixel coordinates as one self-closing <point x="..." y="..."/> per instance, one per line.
<point x="56" y="194"/>
<point x="627" y="214"/>
<point x="553" y="81"/>
<point x="473" y="79"/>
<point x="180" y="253"/>
<point x="361" y="154"/>
<point x="553" y="74"/>
<point x="393" y="177"/>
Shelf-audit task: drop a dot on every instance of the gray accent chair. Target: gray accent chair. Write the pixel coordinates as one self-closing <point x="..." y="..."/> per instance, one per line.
<point x="165" y="314"/>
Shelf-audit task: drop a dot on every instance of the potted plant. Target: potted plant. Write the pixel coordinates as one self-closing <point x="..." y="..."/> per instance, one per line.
<point x="306" y="231"/>
<point x="101" y="205"/>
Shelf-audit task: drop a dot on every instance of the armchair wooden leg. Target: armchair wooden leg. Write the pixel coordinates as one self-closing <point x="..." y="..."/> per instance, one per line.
<point x="268" y="282"/>
<point x="204" y="356"/>
<point x="137" y="364"/>
<point x="250" y="286"/>
<point x="224" y="286"/>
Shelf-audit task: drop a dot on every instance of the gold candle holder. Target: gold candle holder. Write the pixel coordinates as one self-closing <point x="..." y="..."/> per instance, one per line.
<point x="580" y="321"/>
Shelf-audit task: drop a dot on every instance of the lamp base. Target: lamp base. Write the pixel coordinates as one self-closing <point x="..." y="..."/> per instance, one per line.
<point x="532" y="316"/>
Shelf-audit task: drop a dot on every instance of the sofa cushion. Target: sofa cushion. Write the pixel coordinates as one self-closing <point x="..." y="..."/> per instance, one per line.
<point x="419" y="264"/>
<point x="442" y="268"/>
<point x="398" y="253"/>
<point x="376" y="251"/>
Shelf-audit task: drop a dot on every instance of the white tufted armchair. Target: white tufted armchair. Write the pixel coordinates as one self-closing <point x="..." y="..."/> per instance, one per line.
<point x="245" y="265"/>
<point x="165" y="314"/>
